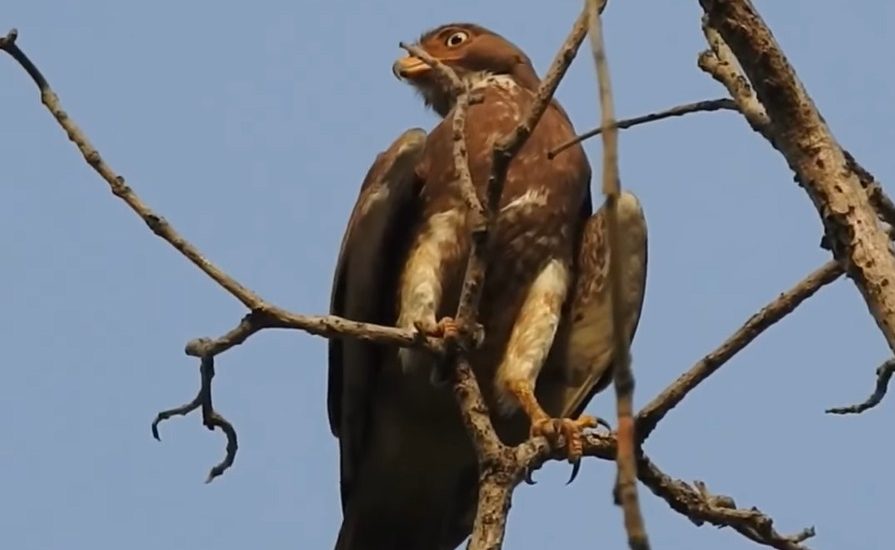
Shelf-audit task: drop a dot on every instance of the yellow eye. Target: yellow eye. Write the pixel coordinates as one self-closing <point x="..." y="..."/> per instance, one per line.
<point x="456" y="39"/>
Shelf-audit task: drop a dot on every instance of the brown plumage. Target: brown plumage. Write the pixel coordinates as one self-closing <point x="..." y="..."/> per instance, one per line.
<point x="407" y="467"/>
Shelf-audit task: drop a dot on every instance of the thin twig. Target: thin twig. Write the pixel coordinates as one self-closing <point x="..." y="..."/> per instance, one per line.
<point x="262" y="314"/>
<point x="706" y="106"/>
<point x="883" y="375"/>
<point x="156" y="223"/>
<point x="327" y="326"/>
<point x="650" y="415"/>
<point x="626" y="484"/>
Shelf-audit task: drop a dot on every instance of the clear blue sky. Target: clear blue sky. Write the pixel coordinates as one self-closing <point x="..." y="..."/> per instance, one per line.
<point x="250" y="127"/>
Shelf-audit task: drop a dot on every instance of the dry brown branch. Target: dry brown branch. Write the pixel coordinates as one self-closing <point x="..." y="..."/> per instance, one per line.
<point x="721" y="64"/>
<point x="650" y="415"/>
<point x="628" y="443"/>
<point x="709" y="105"/>
<point x="700" y="506"/>
<point x="883" y="375"/>
<point x="885" y="208"/>
<point x="262" y="314"/>
<point x="695" y="502"/>
<point x="799" y="132"/>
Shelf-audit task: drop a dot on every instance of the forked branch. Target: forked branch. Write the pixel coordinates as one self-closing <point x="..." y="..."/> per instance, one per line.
<point x="797" y="130"/>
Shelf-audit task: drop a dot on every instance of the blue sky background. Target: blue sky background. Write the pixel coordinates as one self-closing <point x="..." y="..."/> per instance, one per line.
<point x="250" y="127"/>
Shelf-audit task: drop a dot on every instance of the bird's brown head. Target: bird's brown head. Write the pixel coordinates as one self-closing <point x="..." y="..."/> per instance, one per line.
<point x="470" y="50"/>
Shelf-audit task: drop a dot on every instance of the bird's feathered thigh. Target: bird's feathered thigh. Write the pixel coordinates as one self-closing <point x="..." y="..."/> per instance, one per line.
<point x="531" y="247"/>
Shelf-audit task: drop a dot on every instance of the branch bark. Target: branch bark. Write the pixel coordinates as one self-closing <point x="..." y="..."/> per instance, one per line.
<point x="799" y="132"/>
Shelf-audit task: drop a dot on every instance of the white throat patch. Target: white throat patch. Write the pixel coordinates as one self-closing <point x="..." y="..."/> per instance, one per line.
<point x="484" y="79"/>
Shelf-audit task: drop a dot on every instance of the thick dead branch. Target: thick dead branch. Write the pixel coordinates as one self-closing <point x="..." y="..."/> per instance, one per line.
<point x="648" y="417"/>
<point x="721" y="64"/>
<point x="799" y="132"/>
<point x="709" y="105"/>
<point x="883" y="375"/>
<point x="623" y="377"/>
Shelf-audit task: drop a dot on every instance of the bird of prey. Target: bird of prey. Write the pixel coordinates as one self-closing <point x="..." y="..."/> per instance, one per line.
<point x="408" y="469"/>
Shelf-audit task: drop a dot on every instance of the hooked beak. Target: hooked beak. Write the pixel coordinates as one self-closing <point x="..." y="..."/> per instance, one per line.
<point x="410" y="68"/>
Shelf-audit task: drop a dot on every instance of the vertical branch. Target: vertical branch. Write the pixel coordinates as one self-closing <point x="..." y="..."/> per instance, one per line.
<point x="626" y="489"/>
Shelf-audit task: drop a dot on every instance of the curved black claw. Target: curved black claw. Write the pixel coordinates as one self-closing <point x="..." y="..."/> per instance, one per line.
<point x="528" y="479"/>
<point x="576" y="467"/>
<point x="601" y="422"/>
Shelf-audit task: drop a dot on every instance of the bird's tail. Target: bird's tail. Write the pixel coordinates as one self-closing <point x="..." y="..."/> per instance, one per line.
<point x="366" y="527"/>
<point x="392" y="514"/>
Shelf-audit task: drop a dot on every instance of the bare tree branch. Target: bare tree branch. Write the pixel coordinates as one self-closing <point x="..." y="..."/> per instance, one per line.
<point x="883" y="375"/>
<point x="709" y="105"/>
<point x="628" y="443"/>
<point x="701" y="506"/>
<point x="695" y="502"/>
<point x="648" y="417"/>
<point x="801" y="135"/>
<point x="263" y="315"/>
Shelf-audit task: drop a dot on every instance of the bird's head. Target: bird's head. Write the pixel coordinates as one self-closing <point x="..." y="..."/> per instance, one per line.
<point x="471" y="51"/>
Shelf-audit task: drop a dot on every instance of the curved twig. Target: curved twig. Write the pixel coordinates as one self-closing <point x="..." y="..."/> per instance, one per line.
<point x="211" y="419"/>
<point x="883" y="375"/>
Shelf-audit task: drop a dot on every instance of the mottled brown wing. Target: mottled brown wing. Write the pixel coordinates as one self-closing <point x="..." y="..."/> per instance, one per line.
<point x="367" y="264"/>
<point x="587" y="357"/>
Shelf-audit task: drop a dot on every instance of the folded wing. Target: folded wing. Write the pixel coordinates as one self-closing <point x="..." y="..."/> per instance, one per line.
<point x="369" y="261"/>
<point x="586" y="349"/>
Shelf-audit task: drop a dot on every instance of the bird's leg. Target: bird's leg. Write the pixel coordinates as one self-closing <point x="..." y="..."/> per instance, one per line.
<point x="527" y="350"/>
<point x="421" y="284"/>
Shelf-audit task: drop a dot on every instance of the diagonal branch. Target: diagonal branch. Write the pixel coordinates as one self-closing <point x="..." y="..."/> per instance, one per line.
<point x="263" y="315"/>
<point x="799" y="132"/>
<point x="628" y="448"/>
<point x="701" y="506"/>
<point x="695" y="502"/>
<point x="650" y="416"/>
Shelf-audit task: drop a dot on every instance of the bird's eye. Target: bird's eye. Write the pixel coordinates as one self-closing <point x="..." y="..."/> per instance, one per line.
<point x="456" y="39"/>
